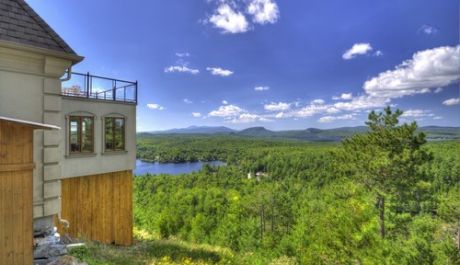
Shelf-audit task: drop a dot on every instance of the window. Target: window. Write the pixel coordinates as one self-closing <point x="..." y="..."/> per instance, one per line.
<point x="81" y="134"/>
<point x="114" y="134"/>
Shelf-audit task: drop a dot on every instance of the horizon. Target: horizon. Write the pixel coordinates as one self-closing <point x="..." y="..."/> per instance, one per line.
<point x="274" y="130"/>
<point x="271" y="63"/>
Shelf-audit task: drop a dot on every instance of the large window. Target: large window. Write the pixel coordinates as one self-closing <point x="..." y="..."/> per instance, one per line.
<point x="81" y="134"/>
<point x="114" y="134"/>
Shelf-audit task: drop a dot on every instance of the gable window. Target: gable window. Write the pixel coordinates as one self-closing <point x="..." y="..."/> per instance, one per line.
<point x="114" y="133"/>
<point x="81" y="134"/>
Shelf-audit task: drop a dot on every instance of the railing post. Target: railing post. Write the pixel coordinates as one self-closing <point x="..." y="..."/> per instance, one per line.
<point x="135" y="91"/>
<point x="114" y="90"/>
<point x="87" y="84"/>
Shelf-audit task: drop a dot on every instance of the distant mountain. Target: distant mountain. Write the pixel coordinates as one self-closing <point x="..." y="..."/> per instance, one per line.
<point x="257" y="131"/>
<point x="310" y="134"/>
<point x="198" y="130"/>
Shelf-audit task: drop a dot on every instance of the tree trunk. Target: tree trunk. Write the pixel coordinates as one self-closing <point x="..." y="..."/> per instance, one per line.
<point x="381" y="206"/>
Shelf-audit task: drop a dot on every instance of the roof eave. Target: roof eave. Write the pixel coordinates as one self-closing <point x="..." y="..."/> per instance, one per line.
<point x="35" y="125"/>
<point x="47" y="52"/>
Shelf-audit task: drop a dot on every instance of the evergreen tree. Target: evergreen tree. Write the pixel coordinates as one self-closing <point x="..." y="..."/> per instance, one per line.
<point x="386" y="159"/>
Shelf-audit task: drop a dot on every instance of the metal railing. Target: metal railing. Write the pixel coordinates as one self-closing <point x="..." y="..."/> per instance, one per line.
<point x="100" y="88"/>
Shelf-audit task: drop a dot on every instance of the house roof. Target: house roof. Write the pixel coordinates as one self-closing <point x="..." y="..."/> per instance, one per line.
<point x="35" y="125"/>
<point x="19" y="23"/>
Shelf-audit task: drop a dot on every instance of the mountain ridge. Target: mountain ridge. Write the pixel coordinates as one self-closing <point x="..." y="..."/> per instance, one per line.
<point x="309" y="134"/>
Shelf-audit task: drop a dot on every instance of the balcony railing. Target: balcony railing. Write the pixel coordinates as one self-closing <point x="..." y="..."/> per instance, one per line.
<point x="100" y="88"/>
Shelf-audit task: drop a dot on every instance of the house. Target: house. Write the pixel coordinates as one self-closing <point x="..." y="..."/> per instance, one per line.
<point x="83" y="172"/>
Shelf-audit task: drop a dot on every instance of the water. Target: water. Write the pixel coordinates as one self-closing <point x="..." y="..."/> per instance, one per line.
<point x="156" y="168"/>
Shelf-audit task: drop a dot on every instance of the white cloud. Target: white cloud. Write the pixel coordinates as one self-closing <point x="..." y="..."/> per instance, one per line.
<point x="247" y="118"/>
<point x="417" y="113"/>
<point x="187" y="101"/>
<point x="357" y="49"/>
<point x="219" y="71"/>
<point x="438" y="90"/>
<point x="263" y="11"/>
<point x="327" y="119"/>
<point x="428" y="30"/>
<point x="155" y="106"/>
<point x="261" y="88"/>
<point x="229" y="20"/>
<point x="378" y="53"/>
<point x="362" y="102"/>
<point x="344" y="96"/>
<point x="181" y="69"/>
<point x="438" y="118"/>
<point x="196" y="114"/>
<point x="428" y="69"/>
<point x="318" y="102"/>
<point x="280" y="106"/>
<point x="227" y="111"/>
<point x="224" y="102"/>
<point x="182" y="54"/>
<point x="310" y="110"/>
<point x="451" y="101"/>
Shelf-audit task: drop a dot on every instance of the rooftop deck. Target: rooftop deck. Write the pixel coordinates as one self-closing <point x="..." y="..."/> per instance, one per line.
<point x="100" y="88"/>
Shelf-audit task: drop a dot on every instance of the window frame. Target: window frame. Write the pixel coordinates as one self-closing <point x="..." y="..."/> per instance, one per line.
<point x="104" y="134"/>
<point x="82" y="114"/>
<point x="80" y="134"/>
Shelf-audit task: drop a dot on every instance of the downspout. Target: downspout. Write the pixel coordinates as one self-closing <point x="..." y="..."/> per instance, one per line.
<point x="69" y="75"/>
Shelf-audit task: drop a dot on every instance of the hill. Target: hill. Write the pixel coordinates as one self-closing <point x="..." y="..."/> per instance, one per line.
<point x="433" y="133"/>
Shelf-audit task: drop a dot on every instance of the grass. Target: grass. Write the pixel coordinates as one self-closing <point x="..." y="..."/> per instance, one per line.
<point x="149" y="250"/>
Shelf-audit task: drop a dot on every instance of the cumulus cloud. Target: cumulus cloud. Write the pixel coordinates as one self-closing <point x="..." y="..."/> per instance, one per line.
<point x="280" y="106"/>
<point x="227" y="111"/>
<point x="235" y="114"/>
<point x="357" y="49"/>
<point x="318" y="102"/>
<point x="261" y="88"/>
<point x="224" y="102"/>
<point x="263" y="11"/>
<point x="361" y="103"/>
<point x="438" y="90"/>
<point x="417" y="113"/>
<point x="327" y="119"/>
<point x="181" y="69"/>
<point x="344" y="96"/>
<point x="187" y="101"/>
<point x="155" y="106"/>
<point x="219" y="71"/>
<point x="247" y="118"/>
<point x="229" y="20"/>
<point x="428" y="69"/>
<point x="428" y="30"/>
<point x="196" y="114"/>
<point x="451" y="101"/>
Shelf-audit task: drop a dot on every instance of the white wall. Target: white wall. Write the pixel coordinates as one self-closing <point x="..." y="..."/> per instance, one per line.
<point x="99" y="162"/>
<point x="30" y="90"/>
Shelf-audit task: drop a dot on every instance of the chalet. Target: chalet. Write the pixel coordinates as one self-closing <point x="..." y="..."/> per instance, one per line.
<point x="67" y="140"/>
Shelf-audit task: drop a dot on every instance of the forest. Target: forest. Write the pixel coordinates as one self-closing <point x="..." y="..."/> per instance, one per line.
<point x="382" y="197"/>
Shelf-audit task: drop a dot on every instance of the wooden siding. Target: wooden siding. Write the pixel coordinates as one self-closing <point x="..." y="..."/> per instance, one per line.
<point x="16" y="170"/>
<point x="99" y="207"/>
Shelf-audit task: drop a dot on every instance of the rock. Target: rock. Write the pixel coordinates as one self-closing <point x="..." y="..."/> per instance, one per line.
<point x="49" y="250"/>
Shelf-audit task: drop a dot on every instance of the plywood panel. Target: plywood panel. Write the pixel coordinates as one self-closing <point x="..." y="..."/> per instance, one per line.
<point x="99" y="207"/>
<point x="16" y="170"/>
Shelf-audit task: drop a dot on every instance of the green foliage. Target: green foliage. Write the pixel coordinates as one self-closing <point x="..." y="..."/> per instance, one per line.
<point x="310" y="203"/>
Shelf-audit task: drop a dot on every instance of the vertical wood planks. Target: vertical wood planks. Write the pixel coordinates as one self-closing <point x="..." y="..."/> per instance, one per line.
<point x="16" y="170"/>
<point x="99" y="207"/>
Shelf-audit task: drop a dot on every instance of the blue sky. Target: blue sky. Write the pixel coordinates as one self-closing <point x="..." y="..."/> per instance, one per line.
<point x="280" y="64"/>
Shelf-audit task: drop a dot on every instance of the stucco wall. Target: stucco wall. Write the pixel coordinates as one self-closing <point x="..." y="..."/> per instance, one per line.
<point x="30" y="90"/>
<point x="99" y="162"/>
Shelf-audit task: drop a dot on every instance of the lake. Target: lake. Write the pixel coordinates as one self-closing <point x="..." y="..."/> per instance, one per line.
<point x="155" y="168"/>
